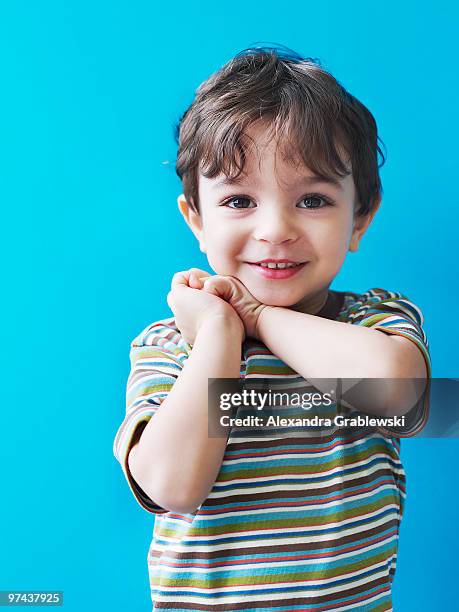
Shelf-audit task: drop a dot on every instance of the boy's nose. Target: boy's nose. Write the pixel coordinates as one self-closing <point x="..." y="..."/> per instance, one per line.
<point x="276" y="228"/>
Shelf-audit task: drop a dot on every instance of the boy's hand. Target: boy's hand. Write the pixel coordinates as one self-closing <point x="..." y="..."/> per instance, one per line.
<point x="192" y="307"/>
<point x="233" y="291"/>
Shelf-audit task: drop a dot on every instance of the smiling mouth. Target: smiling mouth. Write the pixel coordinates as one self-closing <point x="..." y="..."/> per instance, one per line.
<point x="277" y="273"/>
<point x="277" y="266"/>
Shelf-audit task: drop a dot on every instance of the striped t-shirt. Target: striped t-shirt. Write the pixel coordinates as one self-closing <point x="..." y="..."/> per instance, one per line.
<point x="304" y="524"/>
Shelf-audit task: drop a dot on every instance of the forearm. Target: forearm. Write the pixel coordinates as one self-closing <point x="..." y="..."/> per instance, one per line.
<point x="318" y="348"/>
<point x="175" y="461"/>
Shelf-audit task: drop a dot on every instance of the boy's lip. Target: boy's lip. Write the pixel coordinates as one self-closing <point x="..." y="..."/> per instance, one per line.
<point x="276" y="261"/>
<point x="277" y="273"/>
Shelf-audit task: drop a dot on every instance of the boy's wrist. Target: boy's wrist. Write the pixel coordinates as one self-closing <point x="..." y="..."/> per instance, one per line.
<point x="258" y="322"/>
<point x="224" y="323"/>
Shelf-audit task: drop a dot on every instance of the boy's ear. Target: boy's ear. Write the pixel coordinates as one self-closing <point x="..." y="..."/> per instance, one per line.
<point x="361" y="225"/>
<point x="193" y="220"/>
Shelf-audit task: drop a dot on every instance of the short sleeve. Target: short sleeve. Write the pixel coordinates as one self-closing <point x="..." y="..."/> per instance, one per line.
<point x="157" y="357"/>
<point x="393" y="313"/>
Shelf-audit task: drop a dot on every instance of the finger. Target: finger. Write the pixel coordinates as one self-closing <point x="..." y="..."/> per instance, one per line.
<point x="198" y="272"/>
<point x="218" y="285"/>
<point x="195" y="282"/>
<point x="183" y="277"/>
<point x="196" y="277"/>
<point x="210" y="289"/>
<point x="180" y="278"/>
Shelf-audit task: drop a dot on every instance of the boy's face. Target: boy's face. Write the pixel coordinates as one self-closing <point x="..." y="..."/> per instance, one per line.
<point x="277" y="211"/>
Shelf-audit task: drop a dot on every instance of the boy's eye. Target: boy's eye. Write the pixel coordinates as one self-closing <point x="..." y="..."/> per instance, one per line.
<point x="314" y="201"/>
<point x="238" y="201"/>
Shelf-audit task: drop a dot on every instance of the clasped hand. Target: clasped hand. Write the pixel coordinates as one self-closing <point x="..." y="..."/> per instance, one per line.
<point x="196" y="296"/>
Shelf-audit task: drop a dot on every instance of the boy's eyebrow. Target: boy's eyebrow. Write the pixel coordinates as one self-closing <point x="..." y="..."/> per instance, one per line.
<point x="228" y="181"/>
<point x="307" y="180"/>
<point x="313" y="179"/>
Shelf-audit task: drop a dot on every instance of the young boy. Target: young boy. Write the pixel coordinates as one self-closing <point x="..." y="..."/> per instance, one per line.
<point x="280" y="179"/>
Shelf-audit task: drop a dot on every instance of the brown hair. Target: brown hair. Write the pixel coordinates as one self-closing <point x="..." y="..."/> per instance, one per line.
<point x="307" y="109"/>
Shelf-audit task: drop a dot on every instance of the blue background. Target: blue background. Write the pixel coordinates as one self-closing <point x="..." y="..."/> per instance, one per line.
<point x="91" y="236"/>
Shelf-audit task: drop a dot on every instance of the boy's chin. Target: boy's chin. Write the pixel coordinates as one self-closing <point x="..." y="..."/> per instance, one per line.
<point x="275" y="300"/>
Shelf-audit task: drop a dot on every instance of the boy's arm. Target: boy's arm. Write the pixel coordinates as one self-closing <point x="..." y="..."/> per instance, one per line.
<point x="175" y="462"/>
<point x="319" y="348"/>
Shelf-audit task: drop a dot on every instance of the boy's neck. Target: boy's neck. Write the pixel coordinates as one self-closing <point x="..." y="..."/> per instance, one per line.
<point x="326" y="305"/>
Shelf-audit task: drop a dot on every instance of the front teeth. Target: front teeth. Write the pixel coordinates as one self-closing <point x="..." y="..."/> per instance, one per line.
<point x="279" y="265"/>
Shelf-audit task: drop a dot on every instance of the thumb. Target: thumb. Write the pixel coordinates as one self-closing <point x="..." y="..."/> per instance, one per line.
<point x="217" y="286"/>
